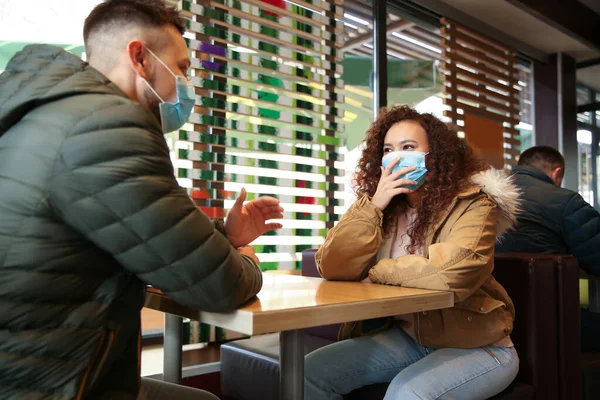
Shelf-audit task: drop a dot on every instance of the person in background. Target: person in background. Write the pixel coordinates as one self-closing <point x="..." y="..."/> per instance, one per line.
<point x="555" y="220"/>
<point x="91" y="213"/>
<point x="428" y="214"/>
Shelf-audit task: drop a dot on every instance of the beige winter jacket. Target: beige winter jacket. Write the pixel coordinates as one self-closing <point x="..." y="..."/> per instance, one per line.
<point x="458" y="256"/>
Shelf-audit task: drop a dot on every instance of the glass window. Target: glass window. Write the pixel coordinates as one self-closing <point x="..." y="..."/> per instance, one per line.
<point x="585" y="117"/>
<point x="597" y="112"/>
<point x="583" y="95"/>
<point x="525" y="136"/>
<point x="357" y="91"/>
<point x="526" y="105"/>
<point x="584" y="140"/>
<point x="525" y="95"/>
<point x="413" y="74"/>
<point x="414" y="77"/>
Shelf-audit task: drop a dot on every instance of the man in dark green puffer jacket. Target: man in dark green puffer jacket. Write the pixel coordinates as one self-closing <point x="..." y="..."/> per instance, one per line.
<point x="90" y="211"/>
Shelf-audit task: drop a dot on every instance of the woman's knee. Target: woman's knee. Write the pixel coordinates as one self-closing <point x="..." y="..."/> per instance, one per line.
<point x="402" y="387"/>
<point x="435" y="380"/>
<point x="319" y="375"/>
<point x="313" y="364"/>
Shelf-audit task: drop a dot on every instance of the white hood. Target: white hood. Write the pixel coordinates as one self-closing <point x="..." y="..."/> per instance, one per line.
<point x="501" y="190"/>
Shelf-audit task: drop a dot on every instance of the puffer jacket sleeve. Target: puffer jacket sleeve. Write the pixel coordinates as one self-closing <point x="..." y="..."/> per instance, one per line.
<point x="581" y="226"/>
<point x="461" y="263"/>
<point x="114" y="183"/>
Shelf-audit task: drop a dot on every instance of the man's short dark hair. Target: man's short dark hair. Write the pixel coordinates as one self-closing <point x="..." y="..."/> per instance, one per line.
<point x="112" y="14"/>
<point x="543" y="157"/>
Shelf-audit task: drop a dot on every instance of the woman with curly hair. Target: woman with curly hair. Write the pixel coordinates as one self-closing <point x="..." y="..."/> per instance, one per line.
<point x="428" y="214"/>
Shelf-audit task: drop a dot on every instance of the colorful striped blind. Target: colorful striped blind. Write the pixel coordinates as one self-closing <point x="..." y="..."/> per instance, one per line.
<point x="268" y="116"/>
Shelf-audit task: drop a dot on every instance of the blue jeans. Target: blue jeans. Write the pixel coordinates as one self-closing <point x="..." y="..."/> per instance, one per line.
<point x="415" y="372"/>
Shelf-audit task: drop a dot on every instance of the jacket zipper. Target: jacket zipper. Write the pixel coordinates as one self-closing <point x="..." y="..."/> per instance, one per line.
<point x="108" y="348"/>
<point x="492" y="354"/>
<point x="103" y="349"/>
<point x="340" y="331"/>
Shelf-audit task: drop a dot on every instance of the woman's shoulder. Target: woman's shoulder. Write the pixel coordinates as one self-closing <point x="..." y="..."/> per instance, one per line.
<point x="495" y="187"/>
<point x="494" y="184"/>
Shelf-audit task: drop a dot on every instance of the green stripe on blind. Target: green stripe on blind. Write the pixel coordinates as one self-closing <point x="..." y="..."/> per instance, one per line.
<point x="264" y="55"/>
<point x="230" y="139"/>
<point x="223" y="158"/>
<point x="244" y="122"/>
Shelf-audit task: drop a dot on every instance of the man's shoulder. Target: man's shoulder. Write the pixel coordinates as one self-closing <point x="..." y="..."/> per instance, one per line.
<point x="104" y="126"/>
<point x="99" y="111"/>
<point x="119" y="107"/>
<point x="537" y="194"/>
<point x="527" y="181"/>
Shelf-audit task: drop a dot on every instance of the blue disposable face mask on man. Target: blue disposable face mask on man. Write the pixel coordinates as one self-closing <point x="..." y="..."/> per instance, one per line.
<point x="408" y="159"/>
<point x="174" y="115"/>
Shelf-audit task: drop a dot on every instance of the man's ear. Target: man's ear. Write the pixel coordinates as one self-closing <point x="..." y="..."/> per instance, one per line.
<point x="556" y="175"/>
<point x="138" y="58"/>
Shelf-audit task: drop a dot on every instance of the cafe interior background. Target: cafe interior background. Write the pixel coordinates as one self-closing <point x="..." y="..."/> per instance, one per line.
<point x="285" y="95"/>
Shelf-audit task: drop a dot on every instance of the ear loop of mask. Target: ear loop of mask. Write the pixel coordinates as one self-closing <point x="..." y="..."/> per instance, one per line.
<point x="161" y="61"/>
<point x="154" y="91"/>
<point x="167" y="68"/>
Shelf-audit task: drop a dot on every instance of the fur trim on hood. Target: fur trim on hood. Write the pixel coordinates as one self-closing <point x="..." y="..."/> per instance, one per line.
<point x="501" y="190"/>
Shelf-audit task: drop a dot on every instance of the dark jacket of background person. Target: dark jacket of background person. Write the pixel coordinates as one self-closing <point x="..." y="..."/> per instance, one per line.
<point x="553" y="220"/>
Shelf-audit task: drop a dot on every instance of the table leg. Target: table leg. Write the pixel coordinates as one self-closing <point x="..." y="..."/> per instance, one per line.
<point x="291" y="368"/>
<point x="594" y="295"/>
<point x="173" y="348"/>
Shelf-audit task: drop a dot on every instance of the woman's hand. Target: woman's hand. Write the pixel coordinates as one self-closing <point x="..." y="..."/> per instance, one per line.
<point x="390" y="186"/>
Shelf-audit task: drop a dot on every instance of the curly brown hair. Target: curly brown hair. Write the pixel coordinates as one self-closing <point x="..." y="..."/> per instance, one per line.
<point x="450" y="163"/>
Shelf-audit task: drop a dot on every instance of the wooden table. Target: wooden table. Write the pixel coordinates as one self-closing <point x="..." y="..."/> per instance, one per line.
<point x="287" y="304"/>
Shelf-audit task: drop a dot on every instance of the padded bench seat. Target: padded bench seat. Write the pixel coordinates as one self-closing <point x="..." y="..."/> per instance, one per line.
<point x="250" y="367"/>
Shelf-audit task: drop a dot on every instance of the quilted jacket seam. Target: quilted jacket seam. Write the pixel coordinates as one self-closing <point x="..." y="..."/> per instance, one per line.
<point x="61" y="156"/>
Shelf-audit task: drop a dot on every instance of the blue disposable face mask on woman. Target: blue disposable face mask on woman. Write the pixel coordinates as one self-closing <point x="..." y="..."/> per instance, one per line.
<point x="408" y="159"/>
<point x="174" y="115"/>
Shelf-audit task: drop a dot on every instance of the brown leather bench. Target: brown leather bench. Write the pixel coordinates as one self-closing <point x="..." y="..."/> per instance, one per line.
<point x="545" y="291"/>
